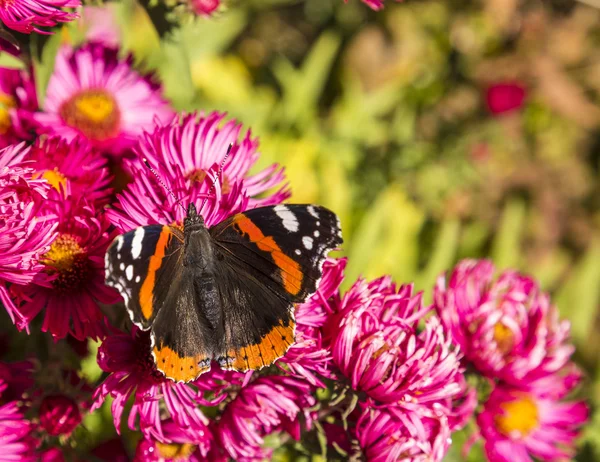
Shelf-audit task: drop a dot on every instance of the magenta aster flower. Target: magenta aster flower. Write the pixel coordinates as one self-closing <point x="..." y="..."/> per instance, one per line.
<point x="310" y="358"/>
<point x="267" y="405"/>
<point x="26" y="233"/>
<point x="29" y="15"/>
<point x="505" y="326"/>
<point x="18" y="100"/>
<point x="74" y="167"/>
<point x="374" y="4"/>
<point x="505" y="97"/>
<point x="128" y="359"/>
<point x="95" y="94"/>
<point x="391" y="435"/>
<point x="182" y="447"/>
<point x="377" y="347"/>
<point x="75" y="261"/>
<point x="15" y="434"/>
<point x="204" y="7"/>
<point x="59" y="415"/>
<point x="520" y="424"/>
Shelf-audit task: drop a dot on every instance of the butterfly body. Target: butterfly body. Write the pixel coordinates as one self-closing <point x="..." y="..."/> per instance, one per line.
<point x="224" y="293"/>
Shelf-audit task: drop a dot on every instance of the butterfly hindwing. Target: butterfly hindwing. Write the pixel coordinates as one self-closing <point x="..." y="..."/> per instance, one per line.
<point x="272" y="257"/>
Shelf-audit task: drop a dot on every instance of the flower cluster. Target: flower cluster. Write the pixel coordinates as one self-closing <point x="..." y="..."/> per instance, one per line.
<point x="511" y="334"/>
<point x="373" y="372"/>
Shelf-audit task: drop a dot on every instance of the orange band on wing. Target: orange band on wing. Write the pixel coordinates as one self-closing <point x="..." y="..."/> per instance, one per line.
<point x="291" y="273"/>
<point x="147" y="289"/>
<point x="181" y="369"/>
<point x="271" y="347"/>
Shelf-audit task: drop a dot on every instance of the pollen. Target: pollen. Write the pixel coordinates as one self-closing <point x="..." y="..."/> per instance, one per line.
<point x="94" y="112"/>
<point x="55" y="178"/>
<point x="199" y="175"/>
<point x="504" y="338"/>
<point x="520" y="417"/>
<point x="69" y="260"/>
<point x="7" y="102"/>
<point x="175" y="451"/>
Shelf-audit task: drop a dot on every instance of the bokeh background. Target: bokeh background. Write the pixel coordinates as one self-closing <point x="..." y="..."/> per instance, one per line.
<point x="437" y="130"/>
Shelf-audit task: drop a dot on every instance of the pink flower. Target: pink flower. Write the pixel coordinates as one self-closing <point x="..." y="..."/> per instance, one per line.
<point x="205" y="7"/>
<point x="309" y="357"/>
<point x="94" y="93"/>
<point x="522" y="423"/>
<point x="377" y="347"/>
<point x="101" y="25"/>
<point x="17" y="100"/>
<point x="75" y="261"/>
<point x="59" y="415"/>
<point x="267" y="405"/>
<point x="52" y="455"/>
<point x="374" y="4"/>
<point x="391" y="435"/>
<point x="75" y="167"/>
<point x="27" y="16"/>
<point x="505" y="97"/>
<point x="505" y="326"/>
<point x="181" y="448"/>
<point x="25" y="232"/>
<point x="187" y="155"/>
<point x="133" y="373"/>
<point x="15" y="430"/>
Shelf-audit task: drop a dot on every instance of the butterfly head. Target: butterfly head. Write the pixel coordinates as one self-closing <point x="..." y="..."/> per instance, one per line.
<point x="193" y="219"/>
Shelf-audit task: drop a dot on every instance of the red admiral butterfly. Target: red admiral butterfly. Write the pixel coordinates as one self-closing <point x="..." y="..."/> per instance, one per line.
<point x="226" y="292"/>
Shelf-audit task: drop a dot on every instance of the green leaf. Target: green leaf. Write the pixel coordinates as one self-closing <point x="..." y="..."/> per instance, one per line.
<point x="11" y="62"/>
<point x="44" y="66"/>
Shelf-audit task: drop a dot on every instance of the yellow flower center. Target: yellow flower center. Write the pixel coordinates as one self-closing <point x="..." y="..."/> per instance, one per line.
<point x="199" y="175"/>
<point x="54" y="177"/>
<point x="95" y="113"/>
<point x="67" y="258"/>
<point x="7" y="102"/>
<point x="175" y="451"/>
<point x="504" y="337"/>
<point x="520" y="417"/>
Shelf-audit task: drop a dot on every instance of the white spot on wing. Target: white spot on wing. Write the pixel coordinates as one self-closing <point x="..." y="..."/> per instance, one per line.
<point x="312" y="211"/>
<point x="136" y="243"/>
<point x="129" y="272"/>
<point x="308" y="242"/>
<point x="317" y="233"/>
<point x="290" y="222"/>
<point x="122" y="266"/>
<point x="120" y="241"/>
<point x="298" y="252"/>
<point x="137" y="278"/>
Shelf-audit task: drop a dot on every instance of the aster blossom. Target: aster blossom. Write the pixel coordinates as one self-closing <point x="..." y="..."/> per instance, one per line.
<point x="94" y="93"/>
<point x="187" y="154"/>
<point x="29" y="15"/>
<point x="17" y="100"/>
<point x="75" y="261"/>
<point x="506" y="326"/>
<point x="532" y="422"/>
<point x="27" y="232"/>
<point x="132" y="372"/>
<point x="74" y="167"/>
<point x="267" y="405"/>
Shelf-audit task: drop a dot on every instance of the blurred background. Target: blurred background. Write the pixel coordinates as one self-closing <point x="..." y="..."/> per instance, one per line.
<point x="437" y="130"/>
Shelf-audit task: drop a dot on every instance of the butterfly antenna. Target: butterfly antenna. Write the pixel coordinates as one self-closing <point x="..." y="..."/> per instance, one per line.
<point x="217" y="177"/>
<point x="162" y="183"/>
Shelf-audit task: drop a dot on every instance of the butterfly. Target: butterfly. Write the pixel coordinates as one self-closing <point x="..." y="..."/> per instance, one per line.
<point x="224" y="293"/>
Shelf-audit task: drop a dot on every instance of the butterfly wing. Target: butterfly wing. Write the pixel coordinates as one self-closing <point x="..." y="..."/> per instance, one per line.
<point x="271" y="258"/>
<point x="145" y="266"/>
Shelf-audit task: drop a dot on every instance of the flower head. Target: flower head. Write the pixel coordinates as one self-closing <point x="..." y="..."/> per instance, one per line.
<point x="18" y="100"/>
<point x="187" y="154"/>
<point x="267" y="405"/>
<point x="520" y="423"/>
<point x="505" y="97"/>
<point x="505" y="326"/>
<point x="74" y="167"/>
<point x="182" y="447"/>
<point x="59" y="415"/>
<point x="377" y="346"/>
<point x="75" y="261"/>
<point x="28" y="16"/>
<point x="205" y="7"/>
<point x="128" y="359"/>
<point x="94" y="93"/>
<point x="26" y="231"/>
